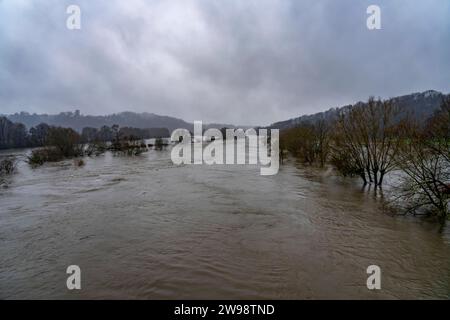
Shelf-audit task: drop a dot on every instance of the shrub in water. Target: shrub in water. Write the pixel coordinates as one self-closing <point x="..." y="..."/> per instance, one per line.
<point x="7" y="166"/>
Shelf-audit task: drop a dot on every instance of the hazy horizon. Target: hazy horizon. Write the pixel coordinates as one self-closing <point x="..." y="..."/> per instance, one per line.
<point x="209" y="122"/>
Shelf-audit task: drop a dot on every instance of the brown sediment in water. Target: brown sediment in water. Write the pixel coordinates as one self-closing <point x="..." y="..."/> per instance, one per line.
<point x="208" y="232"/>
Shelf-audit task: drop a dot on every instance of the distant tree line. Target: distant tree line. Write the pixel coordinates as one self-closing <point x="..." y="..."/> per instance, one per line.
<point x="16" y="135"/>
<point x="13" y="135"/>
<point x="106" y="133"/>
<point x="78" y="121"/>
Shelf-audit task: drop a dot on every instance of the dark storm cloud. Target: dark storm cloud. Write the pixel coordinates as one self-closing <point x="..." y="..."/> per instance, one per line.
<point x="240" y="61"/>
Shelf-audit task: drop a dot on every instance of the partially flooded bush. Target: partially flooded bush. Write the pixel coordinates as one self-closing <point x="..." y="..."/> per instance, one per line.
<point x="159" y="143"/>
<point x="308" y="142"/>
<point x="47" y="154"/>
<point x="7" y="166"/>
<point x="96" y="148"/>
<point x="66" y="141"/>
<point x="130" y="148"/>
<point x="79" y="162"/>
<point x="62" y="143"/>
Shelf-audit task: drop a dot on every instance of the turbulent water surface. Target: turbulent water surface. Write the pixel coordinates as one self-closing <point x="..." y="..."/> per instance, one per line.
<point x="141" y="227"/>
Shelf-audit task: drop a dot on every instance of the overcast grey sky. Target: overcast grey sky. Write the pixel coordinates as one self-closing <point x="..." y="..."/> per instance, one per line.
<point x="235" y="61"/>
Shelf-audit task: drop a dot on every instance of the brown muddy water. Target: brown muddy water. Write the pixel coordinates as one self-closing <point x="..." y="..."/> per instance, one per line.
<point x="141" y="227"/>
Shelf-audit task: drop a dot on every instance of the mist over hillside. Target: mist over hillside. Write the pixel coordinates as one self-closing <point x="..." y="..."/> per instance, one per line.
<point x="78" y="121"/>
<point x="421" y="105"/>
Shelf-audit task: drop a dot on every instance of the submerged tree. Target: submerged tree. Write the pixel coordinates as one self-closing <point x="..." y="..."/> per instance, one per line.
<point x="60" y="143"/>
<point x="7" y="166"/>
<point x="159" y="143"/>
<point x="425" y="163"/>
<point x="309" y="142"/>
<point x="367" y="140"/>
<point x="66" y="140"/>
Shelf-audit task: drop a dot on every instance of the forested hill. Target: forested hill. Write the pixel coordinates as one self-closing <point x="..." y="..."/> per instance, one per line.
<point x="421" y="105"/>
<point x="77" y="121"/>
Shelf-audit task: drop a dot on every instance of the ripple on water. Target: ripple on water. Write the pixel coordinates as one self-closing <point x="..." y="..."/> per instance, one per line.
<point x="141" y="227"/>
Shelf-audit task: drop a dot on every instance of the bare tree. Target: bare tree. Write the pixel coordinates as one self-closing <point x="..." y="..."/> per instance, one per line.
<point x="425" y="163"/>
<point x="322" y="133"/>
<point x="309" y="142"/>
<point x="367" y="140"/>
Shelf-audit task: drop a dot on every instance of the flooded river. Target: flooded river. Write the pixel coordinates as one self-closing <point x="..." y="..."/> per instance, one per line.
<point x="141" y="227"/>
